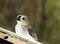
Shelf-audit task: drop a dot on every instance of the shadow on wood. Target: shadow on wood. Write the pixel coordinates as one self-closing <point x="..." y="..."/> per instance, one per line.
<point x="2" y="41"/>
<point x="7" y="39"/>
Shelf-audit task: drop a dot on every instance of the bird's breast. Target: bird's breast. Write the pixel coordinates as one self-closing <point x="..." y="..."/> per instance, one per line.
<point x="21" y="30"/>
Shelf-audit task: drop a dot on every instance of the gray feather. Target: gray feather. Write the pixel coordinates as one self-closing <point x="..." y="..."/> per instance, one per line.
<point x="32" y="33"/>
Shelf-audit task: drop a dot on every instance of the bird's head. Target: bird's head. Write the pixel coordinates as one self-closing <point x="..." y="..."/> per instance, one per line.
<point x="22" y="19"/>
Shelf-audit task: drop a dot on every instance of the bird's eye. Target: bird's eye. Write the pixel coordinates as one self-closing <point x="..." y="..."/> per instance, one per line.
<point x="23" y="18"/>
<point x="18" y="18"/>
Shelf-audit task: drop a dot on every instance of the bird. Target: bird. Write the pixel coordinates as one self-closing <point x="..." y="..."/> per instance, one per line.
<point x="23" y="28"/>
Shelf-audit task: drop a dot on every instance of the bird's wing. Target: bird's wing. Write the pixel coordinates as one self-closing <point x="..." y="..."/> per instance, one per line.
<point x="32" y="33"/>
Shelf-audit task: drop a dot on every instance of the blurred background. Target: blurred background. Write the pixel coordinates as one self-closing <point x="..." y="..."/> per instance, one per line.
<point x="44" y="17"/>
